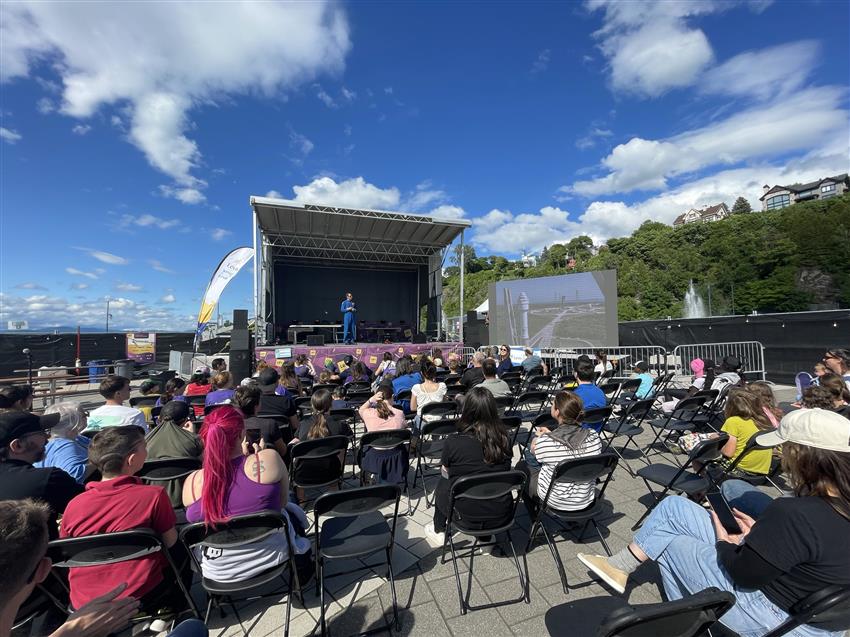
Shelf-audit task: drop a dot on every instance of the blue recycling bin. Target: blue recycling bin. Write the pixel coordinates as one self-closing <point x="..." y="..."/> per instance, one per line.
<point x="97" y="369"/>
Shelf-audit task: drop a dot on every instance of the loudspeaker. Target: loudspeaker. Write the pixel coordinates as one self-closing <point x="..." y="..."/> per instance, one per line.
<point x="240" y="365"/>
<point x="315" y="340"/>
<point x="240" y="319"/>
<point x="419" y="337"/>
<point x="239" y="339"/>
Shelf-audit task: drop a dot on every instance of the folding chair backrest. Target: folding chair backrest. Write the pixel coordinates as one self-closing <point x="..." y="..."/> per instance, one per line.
<point x="686" y="617"/>
<point x="585" y="469"/>
<point x="385" y="440"/>
<point x="357" y="386"/>
<point x="707" y="449"/>
<point x="444" y="409"/>
<point x="302" y="402"/>
<point x="597" y="416"/>
<point x="488" y="485"/>
<point x="531" y="398"/>
<point x="610" y="390"/>
<point x="167" y="469"/>
<point x="504" y="402"/>
<point x="630" y="385"/>
<point x="359" y="501"/>
<point x="454" y="390"/>
<point x="545" y="420"/>
<point x="710" y="395"/>
<point x="639" y="410"/>
<point x="511" y="422"/>
<point x="451" y="379"/>
<point x="511" y="375"/>
<point x="539" y="382"/>
<point x="143" y="401"/>
<point x="357" y="397"/>
<point x="103" y="548"/>
<point x="827" y="609"/>
<point x="443" y="427"/>
<point x="317" y="461"/>
<point x="343" y="413"/>
<point x="752" y="445"/>
<point x="687" y="408"/>
<point x="237" y="531"/>
<point x="327" y="386"/>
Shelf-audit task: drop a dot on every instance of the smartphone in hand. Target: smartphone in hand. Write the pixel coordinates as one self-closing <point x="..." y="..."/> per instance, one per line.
<point x="723" y="511"/>
<point x="252" y="436"/>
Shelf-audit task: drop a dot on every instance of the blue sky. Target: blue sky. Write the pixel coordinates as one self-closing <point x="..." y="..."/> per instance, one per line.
<point x="132" y="135"/>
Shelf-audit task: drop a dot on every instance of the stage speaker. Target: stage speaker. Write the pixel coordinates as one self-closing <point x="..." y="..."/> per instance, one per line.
<point x="419" y="337"/>
<point x="315" y="340"/>
<point x="240" y="319"/>
<point x="240" y="365"/>
<point x="239" y="339"/>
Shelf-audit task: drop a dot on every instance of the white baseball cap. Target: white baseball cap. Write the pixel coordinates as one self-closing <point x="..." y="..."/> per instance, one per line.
<point x="819" y="428"/>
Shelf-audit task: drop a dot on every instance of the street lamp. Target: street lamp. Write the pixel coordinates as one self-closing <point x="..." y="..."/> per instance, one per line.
<point x="108" y="315"/>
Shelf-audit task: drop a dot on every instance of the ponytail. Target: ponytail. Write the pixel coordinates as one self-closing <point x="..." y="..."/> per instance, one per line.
<point x="171" y="388"/>
<point x="384" y="406"/>
<point x="321" y="403"/>
<point x="220" y="433"/>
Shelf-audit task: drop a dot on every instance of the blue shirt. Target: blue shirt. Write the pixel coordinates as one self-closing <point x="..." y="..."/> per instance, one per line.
<point x="645" y="385"/>
<point x="531" y="362"/>
<point x="592" y="398"/>
<point x="179" y="397"/>
<point x="504" y="367"/>
<point x="69" y="455"/>
<point x="407" y="381"/>
<point x="219" y="396"/>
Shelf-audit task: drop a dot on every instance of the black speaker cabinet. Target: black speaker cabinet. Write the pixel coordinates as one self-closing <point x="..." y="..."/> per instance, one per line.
<point x="239" y="339"/>
<point x="240" y="319"/>
<point x="240" y="365"/>
<point x="419" y="337"/>
<point x="315" y="340"/>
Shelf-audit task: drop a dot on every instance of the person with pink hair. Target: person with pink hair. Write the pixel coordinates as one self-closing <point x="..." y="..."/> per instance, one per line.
<point x="238" y="478"/>
<point x="675" y="394"/>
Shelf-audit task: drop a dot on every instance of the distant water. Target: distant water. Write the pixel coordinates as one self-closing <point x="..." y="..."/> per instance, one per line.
<point x="694" y="305"/>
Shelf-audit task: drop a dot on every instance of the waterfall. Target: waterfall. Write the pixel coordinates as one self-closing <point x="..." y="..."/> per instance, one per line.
<point x="694" y="305"/>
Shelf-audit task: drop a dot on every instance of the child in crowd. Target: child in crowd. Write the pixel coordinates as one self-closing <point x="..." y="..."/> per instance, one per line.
<point x="222" y="389"/>
<point x="765" y="395"/>
<point x="174" y="389"/>
<point x="641" y="370"/>
<point x="116" y="391"/>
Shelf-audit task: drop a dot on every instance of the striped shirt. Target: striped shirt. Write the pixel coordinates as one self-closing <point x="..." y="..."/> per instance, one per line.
<point x="566" y="496"/>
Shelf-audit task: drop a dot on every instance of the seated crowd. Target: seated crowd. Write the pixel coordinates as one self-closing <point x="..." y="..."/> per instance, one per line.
<point x="70" y="473"/>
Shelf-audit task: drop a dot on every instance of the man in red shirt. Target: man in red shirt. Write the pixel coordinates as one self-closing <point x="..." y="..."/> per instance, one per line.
<point x="120" y="502"/>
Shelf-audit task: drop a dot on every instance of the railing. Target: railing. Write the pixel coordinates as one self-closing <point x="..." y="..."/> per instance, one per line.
<point x="622" y="358"/>
<point x="749" y="353"/>
<point x="50" y="383"/>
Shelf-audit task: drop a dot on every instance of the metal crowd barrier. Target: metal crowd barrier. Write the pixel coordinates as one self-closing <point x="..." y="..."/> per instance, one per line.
<point x="749" y="353"/>
<point x="622" y="357"/>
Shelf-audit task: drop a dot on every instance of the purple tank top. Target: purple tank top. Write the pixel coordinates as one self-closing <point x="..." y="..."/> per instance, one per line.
<point x="244" y="496"/>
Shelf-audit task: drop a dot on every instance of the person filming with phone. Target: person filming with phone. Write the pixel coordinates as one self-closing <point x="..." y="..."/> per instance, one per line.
<point x="783" y="549"/>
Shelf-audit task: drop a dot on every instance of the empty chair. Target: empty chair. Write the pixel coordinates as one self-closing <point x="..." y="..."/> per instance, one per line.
<point x="627" y="391"/>
<point x="439" y="411"/>
<point x="144" y="401"/>
<point x="628" y="425"/>
<point x="529" y="405"/>
<point x="356" y="398"/>
<point x="318" y="463"/>
<point x="326" y="386"/>
<point x="677" y="421"/>
<point x="610" y="390"/>
<point x="454" y="390"/>
<point x="430" y="450"/>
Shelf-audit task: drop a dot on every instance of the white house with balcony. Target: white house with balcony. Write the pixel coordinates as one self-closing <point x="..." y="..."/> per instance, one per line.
<point x="782" y="196"/>
<point x="707" y="214"/>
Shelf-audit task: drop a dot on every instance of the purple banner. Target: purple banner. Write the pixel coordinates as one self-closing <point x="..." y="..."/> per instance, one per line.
<point x="369" y="353"/>
<point x="141" y="347"/>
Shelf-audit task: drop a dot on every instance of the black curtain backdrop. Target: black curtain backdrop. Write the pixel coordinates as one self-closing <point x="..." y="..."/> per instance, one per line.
<point x="793" y="342"/>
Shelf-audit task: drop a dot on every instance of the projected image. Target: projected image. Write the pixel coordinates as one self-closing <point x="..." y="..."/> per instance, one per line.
<point x="573" y="310"/>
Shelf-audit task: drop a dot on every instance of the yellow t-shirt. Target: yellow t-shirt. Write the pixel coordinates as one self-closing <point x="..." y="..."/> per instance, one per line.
<point x="743" y="430"/>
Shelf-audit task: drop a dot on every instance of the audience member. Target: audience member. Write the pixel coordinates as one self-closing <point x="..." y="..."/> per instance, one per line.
<point x="304" y="367"/>
<point x="289" y="381"/>
<point x="730" y="368"/>
<point x="387" y="366"/>
<point x="174" y="389"/>
<point x="359" y="374"/>
<point x="602" y="364"/>
<point x="474" y="375"/>
<point x="745" y="418"/>
<point x="116" y="391"/>
<point x="788" y="548"/>
<point x="454" y="367"/>
<point x="23" y="438"/>
<point x="505" y="365"/>
<point x="428" y="391"/>
<point x="174" y="437"/>
<point x="817" y="397"/>
<point x="379" y="414"/>
<point x="121" y="502"/>
<point x="199" y="383"/>
<point x="591" y="396"/>
<point x="641" y="370"/>
<point x="405" y="377"/>
<point x="221" y="392"/>
<point x="492" y="383"/>
<point x="345" y="368"/>
<point x="481" y="445"/>
<point x="672" y="395"/>
<point x="838" y="362"/>
<point x="18" y="397"/>
<point x="148" y="387"/>
<point x="24" y="534"/>
<point x="67" y="449"/>
<point x="321" y="424"/>
<point x="840" y="394"/>
<point x="532" y="362"/>
<point x="273" y="404"/>
<point x="247" y="400"/>
<point x="238" y="480"/>
<point x="219" y="365"/>
<point x="339" y="394"/>
<point x="767" y="400"/>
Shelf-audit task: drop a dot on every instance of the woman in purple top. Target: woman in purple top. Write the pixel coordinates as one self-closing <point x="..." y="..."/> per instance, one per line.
<point x="304" y="368"/>
<point x="174" y="389"/>
<point x="222" y="389"/>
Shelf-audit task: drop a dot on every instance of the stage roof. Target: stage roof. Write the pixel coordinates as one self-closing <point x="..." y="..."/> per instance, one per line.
<point x="310" y="231"/>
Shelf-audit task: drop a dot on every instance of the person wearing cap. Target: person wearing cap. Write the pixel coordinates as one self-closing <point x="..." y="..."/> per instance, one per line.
<point x="174" y="437"/>
<point x="788" y="548"/>
<point x="116" y="391"/>
<point x="641" y="370"/>
<point x="23" y="439"/>
<point x="67" y="449"/>
<point x="274" y="405"/>
<point x="16" y="397"/>
<point x="730" y="368"/>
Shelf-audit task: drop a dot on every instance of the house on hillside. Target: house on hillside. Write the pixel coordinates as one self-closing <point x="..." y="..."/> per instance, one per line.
<point x="528" y="260"/>
<point x="710" y="213"/>
<point x="782" y="196"/>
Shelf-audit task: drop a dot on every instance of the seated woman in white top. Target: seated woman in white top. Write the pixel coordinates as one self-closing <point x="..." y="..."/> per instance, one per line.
<point x="426" y="392"/>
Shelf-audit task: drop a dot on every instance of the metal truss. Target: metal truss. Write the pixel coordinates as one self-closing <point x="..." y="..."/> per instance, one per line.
<point x="375" y="214"/>
<point x="330" y="249"/>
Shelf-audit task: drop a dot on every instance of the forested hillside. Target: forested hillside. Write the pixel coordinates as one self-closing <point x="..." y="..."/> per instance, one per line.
<point x="788" y="260"/>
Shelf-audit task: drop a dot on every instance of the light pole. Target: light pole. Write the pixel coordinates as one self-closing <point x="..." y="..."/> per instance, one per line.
<point x="108" y="315"/>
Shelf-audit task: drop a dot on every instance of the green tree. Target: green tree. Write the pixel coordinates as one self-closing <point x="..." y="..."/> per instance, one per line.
<point x="580" y="247"/>
<point x="741" y="206"/>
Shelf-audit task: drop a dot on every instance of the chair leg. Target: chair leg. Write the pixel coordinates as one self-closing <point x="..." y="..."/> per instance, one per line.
<point x="289" y="594"/>
<point x="322" y="598"/>
<point x="209" y="608"/>
<point x="601" y="538"/>
<point x="396" y="622"/>
<point x="556" y="556"/>
<point x="457" y="573"/>
<point x="523" y="577"/>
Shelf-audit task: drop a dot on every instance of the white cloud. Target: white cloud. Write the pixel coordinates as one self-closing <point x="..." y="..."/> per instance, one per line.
<point x="105" y="257"/>
<point x="593" y="136"/>
<point x="353" y="193"/>
<point x="217" y="234"/>
<point x="159" y="267"/>
<point x="148" y="221"/>
<point x="168" y="298"/>
<point x="128" y="287"/>
<point x="804" y="120"/>
<point x="326" y="99"/>
<point x="447" y="211"/>
<point x="274" y="194"/>
<point x="503" y="232"/>
<point x="45" y="106"/>
<point x="81" y="129"/>
<point x="79" y="286"/>
<point x="10" y="136"/>
<point x="542" y="62"/>
<point x="388" y="90"/>
<point x="424" y="195"/>
<point x="300" y="142"/>
<point x="762" y="74"/>
<point x="76" y="272"/>
<point x="29" y="285"/>
<point x="348" y="94"/>
<point x="182" y="56"/>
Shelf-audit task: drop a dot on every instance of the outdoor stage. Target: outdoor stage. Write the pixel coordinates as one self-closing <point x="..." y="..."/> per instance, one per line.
<point x="370" y="353"/>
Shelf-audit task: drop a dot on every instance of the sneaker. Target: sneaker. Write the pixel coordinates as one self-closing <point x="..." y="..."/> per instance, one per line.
<point x="160" y="625"/>
<point x="598" y="564"/>
<point x="436" y="538"/>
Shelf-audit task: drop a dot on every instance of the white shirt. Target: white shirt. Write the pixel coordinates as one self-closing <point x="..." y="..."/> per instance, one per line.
<point x="600" y="368"/>
<point x="424" y="397"/>
<point x="566" y="496"/>
<point x="115" y="416"/>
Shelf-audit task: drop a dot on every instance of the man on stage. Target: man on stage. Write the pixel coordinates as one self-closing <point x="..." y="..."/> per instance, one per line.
<point x="349" y="312"/>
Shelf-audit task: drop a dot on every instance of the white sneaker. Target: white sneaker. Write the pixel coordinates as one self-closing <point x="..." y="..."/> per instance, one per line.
<point x="434" y="537"/>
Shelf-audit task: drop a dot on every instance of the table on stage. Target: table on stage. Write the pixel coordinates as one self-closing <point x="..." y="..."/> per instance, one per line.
<point x="293" y="330"/>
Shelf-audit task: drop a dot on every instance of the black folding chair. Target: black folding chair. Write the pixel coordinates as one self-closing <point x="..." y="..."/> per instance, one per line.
<point x="827" y="609"/>
<point x="529" y="404"/>
<point x="597" y="417"/>
<point x="679" y="479"/>
<point x="752" y="478"/>
<point x="454" y="390"/>
<point x="318" y="463"/>
<point x="37" y="604"/>
<point x="575" y="470"/>
<point x="626" y="392"/>
<point x="143" y="401"/>
<point x="164" y="470"/>
<point x="303" y="405"/>
<point x="513" y="424"/>
<point x="504" y="403"/>
<point x="115" y="547"/>
<point x="628" y="425"/>
<point x="610" y="390"/>
<point x="354" y="527"/>
<point x="208" y="409"/>
<point x="443" y="410"/>
<point x="542" y="420"/>
<point x="451" y="379"/>
<point x="241" y="532"/>
<point x="711" y="417"/>
<point x="197" y="403"/>
<point x="478" y="488"/>
<point x="539" y="383"/>
<point x="677" y="421"/>
<point x="386" y="443"/>
<point x="327" y="386"/>
<point x="429" y="449"/>
<point x="357" y="386"/>
<point x="691" y="616"/>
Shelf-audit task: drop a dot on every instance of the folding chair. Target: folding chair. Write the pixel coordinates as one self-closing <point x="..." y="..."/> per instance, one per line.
<point x="481" y="487"/>
<point x="197" y="404"/>
<point x="610" y="390"/>
<point x="587" y="469"/>
<point x="827" y="609"/>
<point x="143" y="401"/>
<point x="326" y="386"/>
<point x="679" y="479"/>
<point x="539" y="383"/>
<point x="303" y="405"/>
<point x="454" y="390"/>
<point x="597" y="416"/>
<point x="112" y="548"/>
<point x="430" y="448"/>
<point x="513" y="424"/>
<point x="604" y="377"/>
<point x="208" y="409"/>
<point x="504" y="403"/>
<point x="242" y="531"/>
<point x="691" y="616"/>
<point x="529" y="404"/>
<point x="626" y="392"/>
<point x="356" y="398"/>
<point x="386" y="443"/>
<point x="354" y="527"/>
<point x="37" y="604"/>
<point x="155" y="411"/>
<point x="752" y="478"/>
<point x="543" y="420"/>
<point x="164" y="470"/>
<point x="678" y="421"/>
<point x="318" y="463"/>
<point x="443" y="410"/>
<point x="628" y="425"/>
<point x="451" y="379"/>
<point x="711" y="416"/>
<point x="357" y="385"/>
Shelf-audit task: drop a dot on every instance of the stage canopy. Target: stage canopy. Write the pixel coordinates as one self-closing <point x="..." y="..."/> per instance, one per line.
<point x="286" y="231"/>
